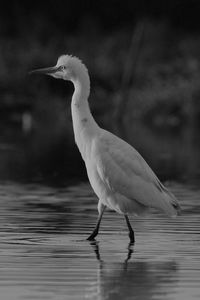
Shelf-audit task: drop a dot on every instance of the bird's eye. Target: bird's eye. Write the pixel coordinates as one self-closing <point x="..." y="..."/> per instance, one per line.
<point x="63" y="68"/>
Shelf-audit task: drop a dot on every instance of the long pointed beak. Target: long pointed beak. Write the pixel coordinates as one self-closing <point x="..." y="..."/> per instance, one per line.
<point x="48" y="71"/>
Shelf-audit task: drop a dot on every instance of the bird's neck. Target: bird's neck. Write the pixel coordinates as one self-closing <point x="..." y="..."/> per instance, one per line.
<point x="85" y="127"/>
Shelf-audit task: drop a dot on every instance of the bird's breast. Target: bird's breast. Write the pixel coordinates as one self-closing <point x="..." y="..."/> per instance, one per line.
<point x="100" y="188"/>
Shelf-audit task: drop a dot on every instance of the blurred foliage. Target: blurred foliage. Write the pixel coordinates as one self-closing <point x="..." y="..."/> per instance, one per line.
<point x="162" y="92"/>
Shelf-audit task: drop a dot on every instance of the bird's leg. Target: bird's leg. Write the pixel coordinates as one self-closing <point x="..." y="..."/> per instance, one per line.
<point x="131" y="232"/>
<point x="101" y="209"/>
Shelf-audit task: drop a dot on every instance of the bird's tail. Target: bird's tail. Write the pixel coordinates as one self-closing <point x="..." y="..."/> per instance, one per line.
<point x="171" y="207"/>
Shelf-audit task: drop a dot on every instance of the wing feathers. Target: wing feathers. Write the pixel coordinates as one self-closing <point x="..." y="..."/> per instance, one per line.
<point x="124" y="171"/>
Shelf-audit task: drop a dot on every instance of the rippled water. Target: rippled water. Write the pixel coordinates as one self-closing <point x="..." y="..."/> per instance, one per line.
<point x="44" y="254"/>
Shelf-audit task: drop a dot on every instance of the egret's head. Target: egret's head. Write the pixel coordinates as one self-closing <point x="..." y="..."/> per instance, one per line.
<point x="67" y="68"/>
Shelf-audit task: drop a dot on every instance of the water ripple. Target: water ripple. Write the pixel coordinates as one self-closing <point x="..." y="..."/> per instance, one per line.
<point x="45" y="255"/>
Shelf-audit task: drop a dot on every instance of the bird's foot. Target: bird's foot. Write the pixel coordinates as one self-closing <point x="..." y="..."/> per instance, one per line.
<point x="130" y="251"/>
<point x="92" y="236"/>
<point x="132" y="238"/>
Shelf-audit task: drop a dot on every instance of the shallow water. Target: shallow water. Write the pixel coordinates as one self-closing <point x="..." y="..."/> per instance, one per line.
<point x="44" y="254"/>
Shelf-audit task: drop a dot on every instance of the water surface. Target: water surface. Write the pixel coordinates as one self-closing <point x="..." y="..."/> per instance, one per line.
<point x="45" y="255"/>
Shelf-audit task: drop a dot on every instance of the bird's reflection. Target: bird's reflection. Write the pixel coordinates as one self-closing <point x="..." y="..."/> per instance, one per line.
<point x="95" y="246"/>
<point x="131" y="279"/>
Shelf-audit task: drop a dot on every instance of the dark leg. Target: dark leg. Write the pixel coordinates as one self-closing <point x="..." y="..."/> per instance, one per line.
<point x="96" y="230"/>
<point x="131" y="232"/>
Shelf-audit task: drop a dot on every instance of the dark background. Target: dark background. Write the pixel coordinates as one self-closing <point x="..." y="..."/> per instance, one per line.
<point x="144" y="61"/>
<point x="69" y="16"/>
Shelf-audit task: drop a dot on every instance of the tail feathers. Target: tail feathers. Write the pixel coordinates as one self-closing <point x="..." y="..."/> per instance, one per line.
<point x="177" y="208"/>
<point x="171" y="206"/>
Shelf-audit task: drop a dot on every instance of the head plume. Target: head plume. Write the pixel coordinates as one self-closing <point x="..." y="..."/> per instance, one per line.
<point x="72" y="63"/>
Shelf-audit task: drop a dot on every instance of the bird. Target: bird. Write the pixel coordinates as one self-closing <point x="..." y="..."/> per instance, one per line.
<point x="118" y="174"/>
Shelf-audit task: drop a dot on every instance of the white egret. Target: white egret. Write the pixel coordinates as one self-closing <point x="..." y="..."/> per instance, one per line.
<point x="118" y="174"/>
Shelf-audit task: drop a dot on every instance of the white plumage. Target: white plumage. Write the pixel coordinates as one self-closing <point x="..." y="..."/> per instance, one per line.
<point x="117" y="171"/>
<point x="118" y="174"/>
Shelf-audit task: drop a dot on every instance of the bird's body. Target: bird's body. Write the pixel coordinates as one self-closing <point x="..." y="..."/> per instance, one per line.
<point x="122" y="179"/>
<point x="118" y="174"/>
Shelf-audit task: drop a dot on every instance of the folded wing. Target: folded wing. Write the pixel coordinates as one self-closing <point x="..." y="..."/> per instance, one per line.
<point x="124" y="171"/>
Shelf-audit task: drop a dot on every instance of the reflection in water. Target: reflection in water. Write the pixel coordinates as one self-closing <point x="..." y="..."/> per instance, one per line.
<point x="134" y="279"/>
<point x="95" y="246"/>
<point x="45" y="255"/>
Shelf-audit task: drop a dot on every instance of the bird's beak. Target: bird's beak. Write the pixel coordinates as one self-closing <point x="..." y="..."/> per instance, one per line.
<point x="47" y="71"/>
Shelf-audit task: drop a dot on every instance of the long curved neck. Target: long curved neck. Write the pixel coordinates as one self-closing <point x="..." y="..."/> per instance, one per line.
<point x="85" y="127"/>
